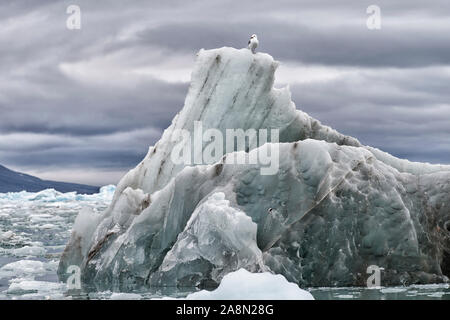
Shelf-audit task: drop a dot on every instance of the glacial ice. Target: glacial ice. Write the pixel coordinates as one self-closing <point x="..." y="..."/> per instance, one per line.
<point x="213" y="224"/>
<point x="26" y="288"/>
<point x="27" y="251"/>
<point x="333" y="208"/>
<point x="244" y="285"/>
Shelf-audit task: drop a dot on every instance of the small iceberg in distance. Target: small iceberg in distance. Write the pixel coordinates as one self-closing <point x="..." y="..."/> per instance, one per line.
<point x="51" y="195"/>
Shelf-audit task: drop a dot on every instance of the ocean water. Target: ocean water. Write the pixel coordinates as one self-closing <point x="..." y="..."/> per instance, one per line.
<point x="34" y="228"/>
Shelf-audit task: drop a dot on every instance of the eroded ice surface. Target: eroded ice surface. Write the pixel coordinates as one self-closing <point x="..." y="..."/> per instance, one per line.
<point x="216" y="235"/>
<point x="333" y="208"/>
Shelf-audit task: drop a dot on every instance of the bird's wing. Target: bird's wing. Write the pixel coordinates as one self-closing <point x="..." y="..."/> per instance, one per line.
<point x="249" y="41"/>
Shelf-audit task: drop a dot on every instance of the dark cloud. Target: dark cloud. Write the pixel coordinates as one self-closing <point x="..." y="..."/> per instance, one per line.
<point x="88" y="110"/>
<point x="405" y="113"/>
<point x="354" y="45"/>
<point x="95" y="99"/>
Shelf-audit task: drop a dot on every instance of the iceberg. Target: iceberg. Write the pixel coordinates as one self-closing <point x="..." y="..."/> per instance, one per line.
<point x="333" y="207"/>
<point x="244" y="285"/>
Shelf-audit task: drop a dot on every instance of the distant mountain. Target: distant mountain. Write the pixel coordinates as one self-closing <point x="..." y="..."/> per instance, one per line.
<point x="11" y="181"/>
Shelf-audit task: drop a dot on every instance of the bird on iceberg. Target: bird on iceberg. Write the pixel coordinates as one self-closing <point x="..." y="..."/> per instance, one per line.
<point x="253" y="43"/>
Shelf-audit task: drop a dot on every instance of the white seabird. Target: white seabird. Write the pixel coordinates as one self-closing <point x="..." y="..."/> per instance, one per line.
<point x="253" y="43"/>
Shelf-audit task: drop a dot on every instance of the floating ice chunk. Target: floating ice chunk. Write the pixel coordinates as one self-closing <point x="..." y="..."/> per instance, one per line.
<point x="48" y="226"/>
<point x="24" y="286"/>
<point x="125" y="296"/>
<point x="244" y="285"/>
<point x="29" y="251"/>
<point x="23" y="268"/>
<point x="345" y="296"/>
<point x="6" y="235"/>
<point x="393" y="290"/>
<point x="52" y="196"/>
<point x="437" y="294"/>
<point x="432" y="286"/>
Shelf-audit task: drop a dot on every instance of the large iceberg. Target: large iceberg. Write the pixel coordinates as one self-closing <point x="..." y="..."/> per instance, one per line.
<point x="333" y="207"/>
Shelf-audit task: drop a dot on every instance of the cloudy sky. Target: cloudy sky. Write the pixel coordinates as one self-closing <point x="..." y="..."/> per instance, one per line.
<point x="85" y="105"/>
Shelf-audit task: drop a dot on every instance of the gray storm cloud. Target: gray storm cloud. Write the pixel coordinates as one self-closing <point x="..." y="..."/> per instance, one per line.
<point x="78" y="102"/>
